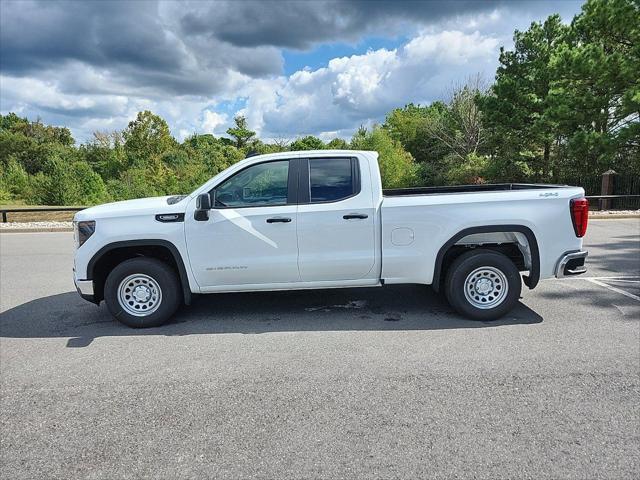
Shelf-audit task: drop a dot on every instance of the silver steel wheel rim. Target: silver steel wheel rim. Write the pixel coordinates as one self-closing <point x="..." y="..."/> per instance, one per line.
<point x="486" y="287"/>
<point x="139" y="295"/>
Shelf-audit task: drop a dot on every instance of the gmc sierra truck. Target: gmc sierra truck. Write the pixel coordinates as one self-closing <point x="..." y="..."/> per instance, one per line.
<point x="320" y="219"/>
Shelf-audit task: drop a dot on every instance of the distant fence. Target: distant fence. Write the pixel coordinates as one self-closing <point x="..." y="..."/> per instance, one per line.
<point x="5" y="211"/>
<point x="609" y="191"/>
<point x="613" y="202"/>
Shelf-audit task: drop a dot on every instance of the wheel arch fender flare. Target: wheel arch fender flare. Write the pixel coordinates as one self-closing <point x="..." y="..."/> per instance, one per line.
<point x="175" y="253"/>
<point x="530" y="280"/>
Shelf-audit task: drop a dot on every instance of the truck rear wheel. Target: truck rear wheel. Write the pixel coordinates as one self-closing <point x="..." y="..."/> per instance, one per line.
<point x="142" y="292"/>
<point x="483" y="285"/>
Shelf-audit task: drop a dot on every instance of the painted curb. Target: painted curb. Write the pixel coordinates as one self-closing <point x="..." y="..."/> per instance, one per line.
<point x="613" y="217"/>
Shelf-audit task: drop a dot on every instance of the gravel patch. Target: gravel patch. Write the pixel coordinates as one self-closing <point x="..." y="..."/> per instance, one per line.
<point x="35" y="225"/>
<point x="614" y="213"/>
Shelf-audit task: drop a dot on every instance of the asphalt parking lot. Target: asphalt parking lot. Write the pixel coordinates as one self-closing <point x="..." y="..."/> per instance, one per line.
<point x="386" y="383"/>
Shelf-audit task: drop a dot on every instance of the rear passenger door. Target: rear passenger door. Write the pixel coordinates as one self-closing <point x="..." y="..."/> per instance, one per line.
<point x="336" y="232"/>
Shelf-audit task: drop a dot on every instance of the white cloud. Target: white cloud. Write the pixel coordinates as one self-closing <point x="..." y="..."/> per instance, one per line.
<point x="17" y="91"/>
<point x="348" y="92"/>
<point x="451" y="47"/>
<point x="188" y="62"/>
<point x="212" y="120"/>
<point x="360" y="89"/>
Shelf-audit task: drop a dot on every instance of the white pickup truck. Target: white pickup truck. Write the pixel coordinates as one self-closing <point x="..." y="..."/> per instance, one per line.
<point x="320" y="219"/>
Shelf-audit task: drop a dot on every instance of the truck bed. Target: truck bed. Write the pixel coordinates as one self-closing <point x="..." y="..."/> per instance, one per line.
<point x="489" y="187"/>
<point x="416" y="222"/>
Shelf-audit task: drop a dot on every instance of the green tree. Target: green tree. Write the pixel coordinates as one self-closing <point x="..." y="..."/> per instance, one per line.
<point x="42" y="133"/>
<point x="261" y="148"/>
<point x="517" y="112"/>
<point x="408" y="126"/>
<point x="241" y="132"/>
<point x="32" y="143"/>
<point x="14" y="180"/>
<point x="214" y="153"/>
<point x="474" y="169"/>
<point x="11" y="121"/>
<point x="460" y="128"/>
<point x="595" y="92"/>
<point x="133" y="183"/>
<point x="442" y="136"/>
<point x="338" y="144"/>
<point x="147" y="137"/>
<point x="106" y="154"/>
<point x="65" y="182"/>
<point x="397" y="167"/>
<point x="308" y="143"/>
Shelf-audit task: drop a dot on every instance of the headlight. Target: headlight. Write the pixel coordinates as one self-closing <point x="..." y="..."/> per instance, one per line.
<point x="82" y="231"/>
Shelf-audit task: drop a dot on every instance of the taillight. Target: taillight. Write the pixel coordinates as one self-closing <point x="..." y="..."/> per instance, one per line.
<point x="579" y="215"/>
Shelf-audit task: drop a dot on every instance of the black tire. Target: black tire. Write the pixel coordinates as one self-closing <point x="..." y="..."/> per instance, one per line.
<point x="472" y="261"/>
<point x="164" y="277"/>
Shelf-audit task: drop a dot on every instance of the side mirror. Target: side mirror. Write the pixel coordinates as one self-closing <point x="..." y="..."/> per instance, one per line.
<point x="203" y="205"/>
<point x="203" y="202"/>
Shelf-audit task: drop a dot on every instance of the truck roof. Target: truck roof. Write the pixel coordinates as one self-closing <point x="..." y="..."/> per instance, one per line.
<point x="312" y="153"/>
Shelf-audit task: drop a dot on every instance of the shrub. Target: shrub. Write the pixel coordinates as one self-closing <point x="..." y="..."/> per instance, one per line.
<point x="397" y="167"/>
<point x="473" y="170"/>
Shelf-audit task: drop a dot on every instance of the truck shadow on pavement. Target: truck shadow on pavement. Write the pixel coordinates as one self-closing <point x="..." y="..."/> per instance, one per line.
<point x="391" y="308"/>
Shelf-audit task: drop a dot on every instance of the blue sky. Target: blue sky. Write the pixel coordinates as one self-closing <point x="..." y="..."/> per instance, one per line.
<point x="292" y="68"/>
<point x="320" y="55"/>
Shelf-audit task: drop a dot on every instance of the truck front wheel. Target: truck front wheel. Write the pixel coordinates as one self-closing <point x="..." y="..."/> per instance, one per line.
<point x="142" y="292"/>
<point x="483" y="285"/>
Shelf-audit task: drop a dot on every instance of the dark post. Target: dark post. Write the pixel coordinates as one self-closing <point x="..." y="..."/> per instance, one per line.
<point x="4" y="216"/>
<point x="607" y="189"/>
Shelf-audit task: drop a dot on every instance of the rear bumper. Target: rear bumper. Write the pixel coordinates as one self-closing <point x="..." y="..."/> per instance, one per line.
<point x="571" y="264"/>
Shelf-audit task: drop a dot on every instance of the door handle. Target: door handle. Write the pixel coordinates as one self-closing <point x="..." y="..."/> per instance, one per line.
<point x="354" y="216"/>
<point x="278" y="220"/>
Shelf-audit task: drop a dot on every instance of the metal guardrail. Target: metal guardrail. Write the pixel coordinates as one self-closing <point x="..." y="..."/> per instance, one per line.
<point x="605" y="201"/>
<point x="4" y="211"/>
<point x="588" y="197"/>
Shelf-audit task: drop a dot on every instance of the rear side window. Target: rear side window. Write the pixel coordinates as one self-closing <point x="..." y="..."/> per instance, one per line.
<point x="331" y="179"/>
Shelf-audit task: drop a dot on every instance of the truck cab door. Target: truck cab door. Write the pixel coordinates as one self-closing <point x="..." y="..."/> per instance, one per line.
<point x="249" y="237"/>
<point x="336" y="221"/>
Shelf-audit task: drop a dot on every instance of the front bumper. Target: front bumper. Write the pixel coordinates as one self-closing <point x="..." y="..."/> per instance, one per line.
<point x="85" y="289"/>
<point x="571" y="264"/>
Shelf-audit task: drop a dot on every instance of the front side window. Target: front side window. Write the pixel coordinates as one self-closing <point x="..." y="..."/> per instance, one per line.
<point x="264" y="184"/>
<point x="330" y="179"/>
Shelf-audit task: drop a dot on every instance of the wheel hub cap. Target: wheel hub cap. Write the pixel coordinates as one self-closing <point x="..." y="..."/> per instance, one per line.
<point x="139" y="295"/>
<point x="486" y="287"/>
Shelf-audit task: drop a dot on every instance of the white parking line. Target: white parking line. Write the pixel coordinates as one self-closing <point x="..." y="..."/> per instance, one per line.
<point x="619" y="280"/>
<point x="627" y="278"/>
<point x="613" y="289"/>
